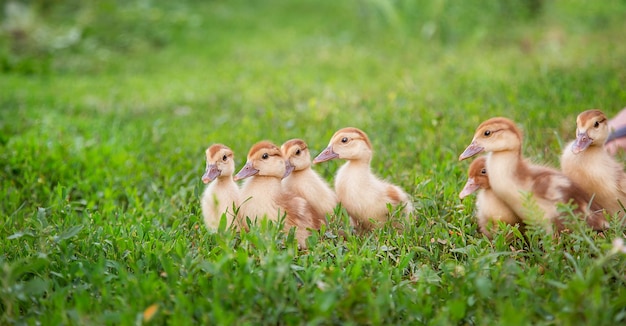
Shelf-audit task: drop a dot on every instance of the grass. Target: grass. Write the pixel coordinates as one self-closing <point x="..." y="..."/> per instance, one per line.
<point x="102" y="146"/>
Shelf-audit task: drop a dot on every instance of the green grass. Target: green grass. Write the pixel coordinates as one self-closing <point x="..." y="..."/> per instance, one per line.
<point x="102" y="148"/>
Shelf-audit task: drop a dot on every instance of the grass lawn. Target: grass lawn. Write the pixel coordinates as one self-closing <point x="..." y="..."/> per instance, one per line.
<point x="106" y="109"/>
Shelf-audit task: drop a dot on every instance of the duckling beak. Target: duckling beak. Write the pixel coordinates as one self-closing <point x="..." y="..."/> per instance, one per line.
<point x="471" y="150"/>
<point x="581" y="143"/>
<point x="211" y="173"/>
<point x="470" y="187"/>
<point x="247" y="171"/>
<point x="326" y="155"/>
<point x="288" y="168"/>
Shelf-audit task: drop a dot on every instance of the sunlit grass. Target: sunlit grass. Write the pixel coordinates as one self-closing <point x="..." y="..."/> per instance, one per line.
<point x="101" y="157"/>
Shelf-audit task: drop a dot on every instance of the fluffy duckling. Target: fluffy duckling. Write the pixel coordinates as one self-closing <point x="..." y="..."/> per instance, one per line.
<point x="362" y="194"/>
<point x="262" y="195"/>
<point x="490" y="208"/>
<point x="221" y="196"/>
<point x="304" y="182"/>
<point x="586" y="161"/>
<point x="512" y="177"/>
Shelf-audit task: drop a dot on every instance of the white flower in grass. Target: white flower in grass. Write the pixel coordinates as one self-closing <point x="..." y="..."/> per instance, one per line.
<point x="618" y="246"/>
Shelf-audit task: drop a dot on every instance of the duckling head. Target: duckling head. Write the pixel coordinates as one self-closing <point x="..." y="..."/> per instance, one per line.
<point x="296" y="154"/>
<point x="494" y="135"/>
<point x="264" y="159"/>
<point x="219" y="162"/>
<point x="592" y="129"/>
<point x="348" y="144"/>
<point x="477" y="177"/>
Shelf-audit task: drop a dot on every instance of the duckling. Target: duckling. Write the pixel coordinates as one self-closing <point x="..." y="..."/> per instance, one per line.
<point x="304" y="182"/>
<point x="221" y="196"/>
<point x="490" y="208"/>
<point x="360" y="192"/>
<point x="512" y="177"/>
<point x="262" y="195"/>
<point x="586" y="161"/>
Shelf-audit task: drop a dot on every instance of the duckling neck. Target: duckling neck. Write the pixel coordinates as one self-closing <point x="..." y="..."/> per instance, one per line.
<point x="296" y="177"/>
<point x="594" y="148"/>
<point x="363" y="163"/>
<point x="506" y="172"/>
<point x="355" y="170"/>
<point x="268" y="182"/>
<point x="505" y="166"/>
<point x="262" y="186"/>
<point x="225" y="179"/>
<point x="300" y="172"/>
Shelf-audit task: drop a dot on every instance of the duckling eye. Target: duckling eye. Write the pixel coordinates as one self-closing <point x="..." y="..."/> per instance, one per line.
<point x="596" y="125"/>
<point x="487" y="133"/>
<point x="224" y="158"/>
<point x="265" y="156"/>
<point x="298" y="152"/>
<point x="344" y="139"/>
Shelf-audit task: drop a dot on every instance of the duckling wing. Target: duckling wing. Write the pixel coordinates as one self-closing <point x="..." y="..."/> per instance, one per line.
<point x="551" y="185"/>
<point x="396" y="196"/>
